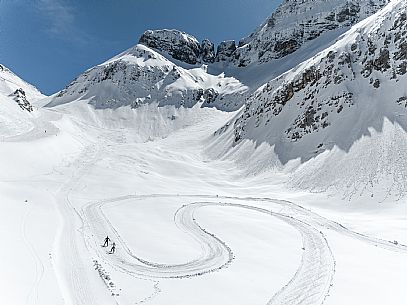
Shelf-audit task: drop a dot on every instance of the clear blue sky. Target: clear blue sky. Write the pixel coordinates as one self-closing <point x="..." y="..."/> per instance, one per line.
<point x="50" y="42"/>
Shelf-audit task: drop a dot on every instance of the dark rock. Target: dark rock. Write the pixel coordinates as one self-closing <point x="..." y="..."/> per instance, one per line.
<point x="207" y="51"/>
<point x="225" y="50"/>
<point x="179" y="45"/>
<point x="21" y="99"/>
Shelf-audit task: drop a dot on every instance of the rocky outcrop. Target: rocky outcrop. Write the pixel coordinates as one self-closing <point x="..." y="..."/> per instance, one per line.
<point x="294" y="23"/>
<point x="180" y="46"/>
<point x="225" y="50"/>
<point x="358" y="79"/>
<point x="13" y="86"/>
<point x="20" y="98"/>
<point x="207" y="51"/>
<point x="143" y="76"/>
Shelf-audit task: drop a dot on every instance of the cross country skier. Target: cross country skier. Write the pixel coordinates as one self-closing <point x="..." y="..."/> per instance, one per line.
<point x="106" y="244"/>
<point x="113" y="248"/>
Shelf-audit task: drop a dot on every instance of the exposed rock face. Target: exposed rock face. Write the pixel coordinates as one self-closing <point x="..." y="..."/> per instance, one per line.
<point x="225" y="50"/>
<point x="180" y="46"/>
<point x="143" y="76"/>
<point x="294" y="23"/>
<point x="207" y="51"/>
<point x="21" y="99"/>
<point x="310" y="104"/>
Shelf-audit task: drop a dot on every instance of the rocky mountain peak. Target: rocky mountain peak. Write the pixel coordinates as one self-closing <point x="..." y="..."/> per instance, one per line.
<point x="179" y="45"/>
<point x="143" y="76"/>
<point x="292" y="24"/>
<point x="333" y="98"/>
<point x="225" y="50"/>
<point x="296" y="22"/>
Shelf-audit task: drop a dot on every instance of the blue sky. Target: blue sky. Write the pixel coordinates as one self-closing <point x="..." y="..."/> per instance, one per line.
<point x="50" y="42"/>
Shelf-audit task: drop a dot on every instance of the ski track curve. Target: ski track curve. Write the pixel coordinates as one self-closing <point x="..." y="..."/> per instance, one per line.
<point x="310" y="284"/>
<point x="83" y="229"/>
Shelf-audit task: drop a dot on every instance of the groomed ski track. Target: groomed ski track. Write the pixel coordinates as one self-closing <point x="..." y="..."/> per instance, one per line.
<point x="78" y="245"/>
<point x="309" y="285"/>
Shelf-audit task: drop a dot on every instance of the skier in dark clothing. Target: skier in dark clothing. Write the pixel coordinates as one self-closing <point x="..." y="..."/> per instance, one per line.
<point x="113" y="249"/>
<point x="106" y="244"/>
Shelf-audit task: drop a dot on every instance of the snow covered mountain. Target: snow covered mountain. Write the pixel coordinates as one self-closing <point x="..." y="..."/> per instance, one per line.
<point x="169" y="67"/>
<point x="207" y="206"/>
<point x="9" y="83"/>
<point x="142" y="76"/>
<point x="295" y="32"/>
<point x="180" y="46"/>
<point x="16" y="97"/>
<point x="314" y="108"/>
<point x="293" y="24"/>
<point x="348" y="101"/>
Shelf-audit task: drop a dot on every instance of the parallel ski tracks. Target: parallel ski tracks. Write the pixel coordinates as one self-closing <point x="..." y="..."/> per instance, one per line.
<point x="309" y="285"/>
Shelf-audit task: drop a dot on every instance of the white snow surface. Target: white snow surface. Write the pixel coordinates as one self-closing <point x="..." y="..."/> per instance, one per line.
<point x="188" y="228"/>
<point x="322" y="119"/>
<point x="13" y="119"/>
<point x="141" y="76"/>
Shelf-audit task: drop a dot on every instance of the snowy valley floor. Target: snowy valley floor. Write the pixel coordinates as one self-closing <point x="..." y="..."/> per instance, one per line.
<point x="188" y="229"/>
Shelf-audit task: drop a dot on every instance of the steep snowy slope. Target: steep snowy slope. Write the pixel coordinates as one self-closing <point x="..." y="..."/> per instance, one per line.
<point x="344" y="110"/>
<point x="16" y="109"/>
<point x="296" y="22"/>
<point x="295" y="32"/>
<point x="170" y="67"/>
<point x="142" y="76"/>
<point x="293" y="24"/>
<point x="9" y="83"/>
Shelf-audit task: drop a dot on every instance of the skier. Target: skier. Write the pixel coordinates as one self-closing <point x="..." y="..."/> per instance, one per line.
<point x="113" y="249"/>
<point x="106" y="244"/>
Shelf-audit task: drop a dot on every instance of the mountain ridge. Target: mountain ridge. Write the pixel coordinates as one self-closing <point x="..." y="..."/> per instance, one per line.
<point x="322" y="116"/>
<point x="291" y="25"/>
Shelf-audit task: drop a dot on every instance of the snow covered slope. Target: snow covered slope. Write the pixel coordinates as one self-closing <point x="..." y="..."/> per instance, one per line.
<point x="346" y="102"/>
<point x="296" y="22"/>
<point x="142" y="76"/>
<point x="123" y="152"/>
<point x="9" y="83"/>
<point x="291" y="25"/>
<point x="170" y="67"/>
<point x="295" y="32"/>
<point x="16" y="109"/>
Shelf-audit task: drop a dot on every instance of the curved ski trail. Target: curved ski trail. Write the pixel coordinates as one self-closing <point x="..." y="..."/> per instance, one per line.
<point x="310" y="284"/>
